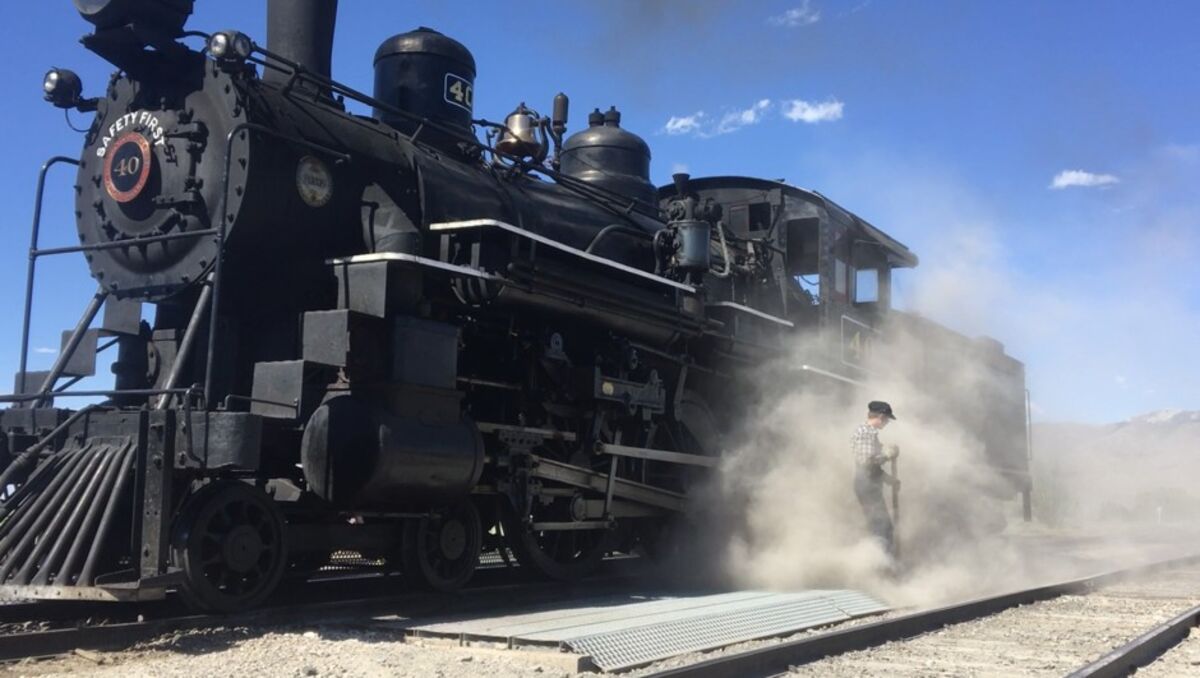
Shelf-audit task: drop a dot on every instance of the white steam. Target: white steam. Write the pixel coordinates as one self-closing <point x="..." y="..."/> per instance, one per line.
<point x="801" y="525"/>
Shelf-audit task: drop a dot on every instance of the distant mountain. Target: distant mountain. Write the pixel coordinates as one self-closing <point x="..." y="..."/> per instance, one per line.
<point x="1164" y="418"/>
<point x="1143" y="468"/>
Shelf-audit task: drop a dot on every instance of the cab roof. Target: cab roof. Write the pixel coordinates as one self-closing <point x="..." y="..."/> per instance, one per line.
<point x="900" y="255"/>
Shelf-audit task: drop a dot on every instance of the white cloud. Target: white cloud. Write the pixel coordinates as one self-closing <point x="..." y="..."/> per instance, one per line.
<point x="735" y="120"/>
<point x="804" y="15"/>
<point x="1069" y="178"/>
<point x="702" y="125"/>
<point x="45" y="350"/>
<point x="679" y="168"/>
<point x="685" y="124"/>
<point x="798" y="110"/>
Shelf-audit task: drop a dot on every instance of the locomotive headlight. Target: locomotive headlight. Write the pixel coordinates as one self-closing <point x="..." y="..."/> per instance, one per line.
<point x="218" y="45"/>
<point x="229" y="46"/>
<point x="62" y="88"/>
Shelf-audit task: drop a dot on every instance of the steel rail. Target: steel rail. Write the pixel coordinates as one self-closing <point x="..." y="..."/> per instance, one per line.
<point x="1142" y="650"/>
<point x="776" y="659"/>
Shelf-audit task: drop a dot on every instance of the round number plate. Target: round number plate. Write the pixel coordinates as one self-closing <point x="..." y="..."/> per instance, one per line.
<point x="127" y="167"/>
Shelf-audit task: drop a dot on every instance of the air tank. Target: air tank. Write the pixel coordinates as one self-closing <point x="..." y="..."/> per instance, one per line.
<point x="356" y="453"/>
<point x="609" y="157"/>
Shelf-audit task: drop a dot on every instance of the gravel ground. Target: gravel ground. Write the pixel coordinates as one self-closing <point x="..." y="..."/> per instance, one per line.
<point x="1048" y="638"/>
<point x="321" y="651"/>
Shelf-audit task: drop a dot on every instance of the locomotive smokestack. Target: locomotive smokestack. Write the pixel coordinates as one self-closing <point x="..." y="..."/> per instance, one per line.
<point x="301" y="31"/>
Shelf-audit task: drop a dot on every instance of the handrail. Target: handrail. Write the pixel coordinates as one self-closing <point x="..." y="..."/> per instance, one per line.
<point x="29" y="275"/>
<point x="27" y="397"/>
<point x="36" y="252"/>
<point x="220" y="233"/>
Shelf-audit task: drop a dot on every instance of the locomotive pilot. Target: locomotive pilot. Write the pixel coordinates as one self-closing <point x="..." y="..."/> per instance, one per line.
<point x="869" y="476"/>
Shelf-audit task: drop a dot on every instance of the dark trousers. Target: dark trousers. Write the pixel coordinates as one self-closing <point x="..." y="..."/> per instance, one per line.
<point x="868" y="487"/>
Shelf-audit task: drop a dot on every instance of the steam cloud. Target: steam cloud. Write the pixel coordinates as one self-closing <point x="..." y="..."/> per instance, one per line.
<point x="799" y="524"/>
<point x="788" y="479"/>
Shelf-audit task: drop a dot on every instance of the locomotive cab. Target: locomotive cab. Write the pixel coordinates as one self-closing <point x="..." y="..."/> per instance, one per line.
<point x="800" y="258"/>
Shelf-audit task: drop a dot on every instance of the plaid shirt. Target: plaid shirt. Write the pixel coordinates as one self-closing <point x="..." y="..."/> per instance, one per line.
<point x="866" y="446"/>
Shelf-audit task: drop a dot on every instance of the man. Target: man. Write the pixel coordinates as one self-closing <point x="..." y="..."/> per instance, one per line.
<point x="869" y="477"/>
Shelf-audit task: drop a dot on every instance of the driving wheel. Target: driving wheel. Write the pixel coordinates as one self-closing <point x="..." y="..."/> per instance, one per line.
<point x="565" y="555"/>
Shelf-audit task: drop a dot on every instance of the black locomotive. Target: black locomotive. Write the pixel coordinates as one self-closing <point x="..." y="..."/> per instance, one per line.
<point x="383" y="335"/>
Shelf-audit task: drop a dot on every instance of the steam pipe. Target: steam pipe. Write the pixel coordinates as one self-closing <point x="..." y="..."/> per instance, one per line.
<point x="615" y="228"/>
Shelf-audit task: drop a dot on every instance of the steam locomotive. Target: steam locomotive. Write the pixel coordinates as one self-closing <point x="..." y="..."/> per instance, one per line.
<point x="382" y="334"/>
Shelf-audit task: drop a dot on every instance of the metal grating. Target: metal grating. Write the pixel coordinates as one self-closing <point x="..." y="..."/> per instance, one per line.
<point x="857" y="604"/>
<point x="621" y="632"/>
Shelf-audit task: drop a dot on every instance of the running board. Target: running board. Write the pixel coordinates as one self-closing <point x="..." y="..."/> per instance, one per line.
<point x="657" y="455"/>
<point x="614" y="266"/>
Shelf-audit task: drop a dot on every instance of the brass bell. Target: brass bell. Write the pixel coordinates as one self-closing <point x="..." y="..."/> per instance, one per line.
<point x="520" y="138"/>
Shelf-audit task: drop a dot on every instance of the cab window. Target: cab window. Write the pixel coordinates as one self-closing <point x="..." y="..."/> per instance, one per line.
<point x="802" y="261"/>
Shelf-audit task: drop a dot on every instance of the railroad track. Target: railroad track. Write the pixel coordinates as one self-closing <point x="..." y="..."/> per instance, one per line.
<point x="889" y="646"/>
<point x="845" y="650"/>
<point x="92" y="626"/>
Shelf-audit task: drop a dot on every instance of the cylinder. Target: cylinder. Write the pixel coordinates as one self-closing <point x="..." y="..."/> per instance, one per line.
<point x="301" y="31"/>
<point x="356" y="454"/>
<point x="427" y="75"/>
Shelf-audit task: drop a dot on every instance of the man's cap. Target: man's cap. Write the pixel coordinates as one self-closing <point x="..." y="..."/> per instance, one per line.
<point x="880" y="407"/>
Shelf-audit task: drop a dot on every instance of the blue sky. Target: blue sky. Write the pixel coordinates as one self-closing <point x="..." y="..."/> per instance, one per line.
<point x="945" y="124"/>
